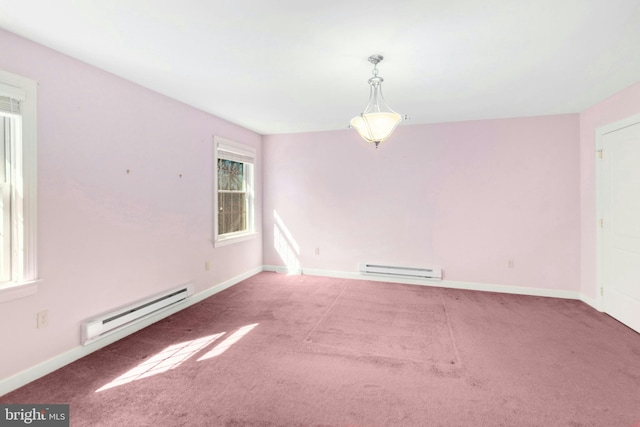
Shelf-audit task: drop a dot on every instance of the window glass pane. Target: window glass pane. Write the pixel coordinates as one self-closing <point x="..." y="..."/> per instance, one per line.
<point x="4" y="124"/>
<point x="220" y="214"/>
<point x="223" y="174"/>
<point x="225" y="211"/>
<point x="227" y="224"/>
<point x="236" y="176"/>
<point x="241" y="212"/>
<point x="231" y="213"/>
<point x="237" y="199"/>
<point x="222" y="225"/>
<point x="234" y="222"/>
<point x="232" y="216"/>
<point x="224" y="197"/>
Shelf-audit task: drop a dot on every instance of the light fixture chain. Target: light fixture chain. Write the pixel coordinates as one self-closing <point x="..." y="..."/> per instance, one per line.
<point x="375" y="59"/>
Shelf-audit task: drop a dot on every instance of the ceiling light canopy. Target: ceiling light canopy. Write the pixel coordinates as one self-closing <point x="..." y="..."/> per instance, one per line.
<point x="378" y="121"/>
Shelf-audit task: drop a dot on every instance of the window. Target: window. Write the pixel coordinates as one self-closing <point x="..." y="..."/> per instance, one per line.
<point x="235" y="191"/>
<point x="17" y="184"/>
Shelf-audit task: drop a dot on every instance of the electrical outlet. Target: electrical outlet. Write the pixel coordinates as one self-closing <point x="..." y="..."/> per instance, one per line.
<point x="510" y="263"/>
<point x="207" y="265"/>
<point x="317" y="251"/>
<point x="42" y="319"/>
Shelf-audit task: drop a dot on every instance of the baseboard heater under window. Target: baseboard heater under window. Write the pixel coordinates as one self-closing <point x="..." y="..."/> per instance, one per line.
<point x="108" y="323"/>
<point x="408" y="272"/>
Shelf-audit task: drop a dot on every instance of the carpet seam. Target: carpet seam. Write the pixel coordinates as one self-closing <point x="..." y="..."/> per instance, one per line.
<point x="324" y="315"/>
<point x="453" y="339"/>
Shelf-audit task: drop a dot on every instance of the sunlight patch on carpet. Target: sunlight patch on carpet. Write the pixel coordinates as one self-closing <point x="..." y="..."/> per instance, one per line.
<point x="176" y="354"/>
<point x="228" y="342"/>
<point x="169" y="358"/>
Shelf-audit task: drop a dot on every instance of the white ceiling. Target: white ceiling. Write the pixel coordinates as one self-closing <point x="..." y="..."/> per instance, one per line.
<point x="280" y="66"/>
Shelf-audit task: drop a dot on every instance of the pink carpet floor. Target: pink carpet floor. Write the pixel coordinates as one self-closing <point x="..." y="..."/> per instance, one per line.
<point x="279" y="350"/>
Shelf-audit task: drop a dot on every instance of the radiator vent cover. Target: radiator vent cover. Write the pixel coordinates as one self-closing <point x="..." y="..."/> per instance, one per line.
<point x="396" y="271"/>
<point x="108" y="323"/>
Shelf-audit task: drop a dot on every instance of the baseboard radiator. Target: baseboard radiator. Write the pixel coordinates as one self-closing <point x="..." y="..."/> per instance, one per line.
<point x="406" y="272"/>
<point x="108" y="323"/>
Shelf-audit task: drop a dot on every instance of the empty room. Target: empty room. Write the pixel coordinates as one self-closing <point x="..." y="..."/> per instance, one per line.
<point x="213" y="216"/>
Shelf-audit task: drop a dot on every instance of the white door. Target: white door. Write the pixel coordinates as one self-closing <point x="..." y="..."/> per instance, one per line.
<point x="620" y="208"/>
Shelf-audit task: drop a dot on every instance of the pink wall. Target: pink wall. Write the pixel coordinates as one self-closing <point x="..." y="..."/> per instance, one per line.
<point x="466" y="196"/>
<point x="108" y="238"/>
<point x="622" y="105"/>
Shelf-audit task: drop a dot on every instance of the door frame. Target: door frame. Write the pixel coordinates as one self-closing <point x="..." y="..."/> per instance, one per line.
<point x="601" y="132"/>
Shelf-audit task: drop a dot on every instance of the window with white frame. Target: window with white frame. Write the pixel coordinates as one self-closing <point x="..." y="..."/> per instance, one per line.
<point x="18" y="178"/>
<point x="235" y="191"/>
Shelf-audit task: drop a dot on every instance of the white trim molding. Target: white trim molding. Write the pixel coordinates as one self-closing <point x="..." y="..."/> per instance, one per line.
<point x="19" y="290"/>
<point x="451" y="284"/>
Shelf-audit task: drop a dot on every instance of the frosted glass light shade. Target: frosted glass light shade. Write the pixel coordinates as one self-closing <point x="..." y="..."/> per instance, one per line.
<point x="377" y="122"/>
<point x="376" y="127"/>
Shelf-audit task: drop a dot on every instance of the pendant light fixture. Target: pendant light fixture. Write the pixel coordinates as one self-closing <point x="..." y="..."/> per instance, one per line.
<point x="378" y="121"/>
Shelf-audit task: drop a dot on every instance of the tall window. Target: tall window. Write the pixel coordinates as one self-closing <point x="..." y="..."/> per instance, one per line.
<point x="232" y="197"/>
<point x="17" y="181"/>
<point x="235" y="191"/>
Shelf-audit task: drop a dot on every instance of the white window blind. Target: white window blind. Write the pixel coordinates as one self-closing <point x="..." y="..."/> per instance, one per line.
<point x="10" y="99"/>
<point x="9" y="105"/>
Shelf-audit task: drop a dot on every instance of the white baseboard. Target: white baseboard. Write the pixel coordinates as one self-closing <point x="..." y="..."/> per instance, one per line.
<point x="591" y="302"/>
<point x="283" y="269"/>
<point x="22" y="378"/>
<point x="224" y="285"/>
<point x="485" y="287"/>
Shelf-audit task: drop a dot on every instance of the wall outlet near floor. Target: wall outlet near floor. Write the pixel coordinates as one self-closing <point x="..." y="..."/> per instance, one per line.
<point x="510" y="263"/>
<point x="317" y="251"/>
<point x="42" y="319"/>
<point x="207" y="265"/>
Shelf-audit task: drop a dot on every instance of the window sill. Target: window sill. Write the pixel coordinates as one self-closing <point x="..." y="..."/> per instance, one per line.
<point x="19" y="290"/>
<point x="224" y="241"/>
